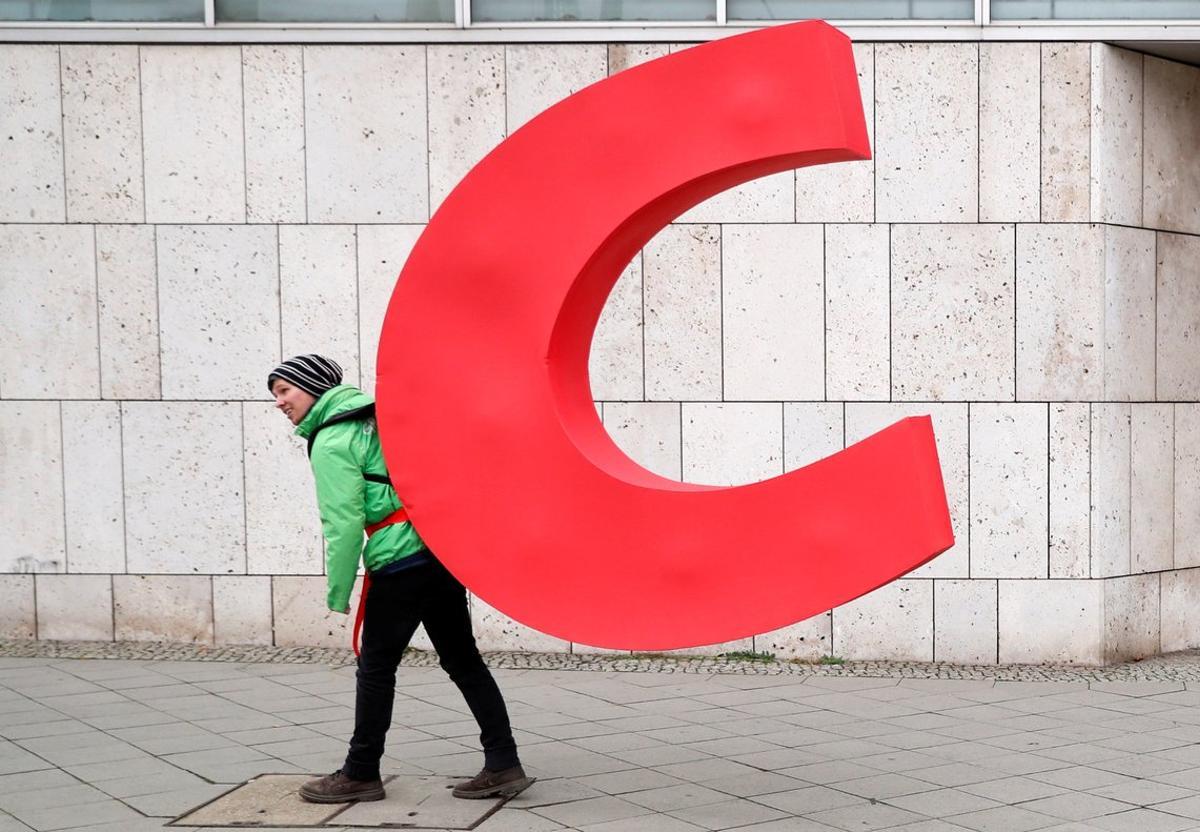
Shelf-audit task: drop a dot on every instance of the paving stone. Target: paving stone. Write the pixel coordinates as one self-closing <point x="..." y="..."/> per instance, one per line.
<point x="811" y="799"/>
<point x="1075" y="806"/>
<point x="868" y="817"/>
<point x="69" y="817"/>
<point x="1142" y="820"/>
<point x="593" y="810"/>
<point x="1004" y="819"/>
<point x="420" y="801"/>
<point x="668" y="798"/>
<point x="943" y="802"/>
<point x="265" y="801"/>
<point x="726" y="815"/>
<point x="1143" y="792"/>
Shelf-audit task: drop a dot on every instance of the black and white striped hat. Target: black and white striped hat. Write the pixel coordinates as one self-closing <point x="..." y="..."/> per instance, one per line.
<point x="314" y="374"/>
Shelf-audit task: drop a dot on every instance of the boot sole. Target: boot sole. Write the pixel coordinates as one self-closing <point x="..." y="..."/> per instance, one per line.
<point x="506" y="790"/>
<point x="359" y="797"/>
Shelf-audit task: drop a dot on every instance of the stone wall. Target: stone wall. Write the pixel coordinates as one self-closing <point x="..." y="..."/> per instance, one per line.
<point x="1021" y="260"/>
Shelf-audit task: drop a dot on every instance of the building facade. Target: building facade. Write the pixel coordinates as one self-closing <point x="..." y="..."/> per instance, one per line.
<point x="187" y="200"/>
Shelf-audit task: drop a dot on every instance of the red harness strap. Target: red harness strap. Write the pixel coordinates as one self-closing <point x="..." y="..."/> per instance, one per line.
<point x="400" y="515"/>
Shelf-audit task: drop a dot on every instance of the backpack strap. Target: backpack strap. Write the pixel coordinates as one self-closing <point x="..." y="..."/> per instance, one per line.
<point x="367" y="411"/>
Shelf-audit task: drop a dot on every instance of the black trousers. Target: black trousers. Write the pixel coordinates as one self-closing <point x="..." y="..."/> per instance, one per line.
<point x="396" y="604"/>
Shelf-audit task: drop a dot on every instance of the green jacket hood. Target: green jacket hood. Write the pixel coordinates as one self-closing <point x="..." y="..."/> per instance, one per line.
<point x="332" y="402"/>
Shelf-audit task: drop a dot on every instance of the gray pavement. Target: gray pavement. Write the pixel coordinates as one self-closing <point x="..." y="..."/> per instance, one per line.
<point x="619" y="743"/>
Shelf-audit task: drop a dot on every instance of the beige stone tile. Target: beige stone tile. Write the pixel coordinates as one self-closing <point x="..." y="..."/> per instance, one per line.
<point x="1178" y="317"/>
<point x="31" y="100"/>
<point x="1116" y="135"/>
<point x="283" y="528"/>
<point x="184" y="454"/>
<point x="242" y="609"/>
<point x="964" y="621"/>
<point x="1171" y="182"/>
<point x="193" y="133"/>
<point x="382" y="250"/>
<point x="732" y="443"/>
<point x="102" y="128"/>
<point x="31" y="489"/>
<point x="926" y="123"/>
<point x="127" y="282"/>
<point x="857" y="312"/>
<point x="538" y="75"/>
<point x="1152" y="488"/>
<point x="177" y="608"/>
<point x="74" y="607"/>
<point x="496" y="631"/>
<point x="1066" y="132"/>
<point x="1187" y="485"/>
<point x="615" y="362"/>
<point x="682" y="275"/>
<point x="1009" y="127"/>
<point x="844" y="192"/>
<point x="808" y="640"/>
<point x="649" y="433"/>
<point x="1070" y="493"/>
<point x="811" y="431"/>
<point x="952" y="312"/>
<point x="1129" y="314"/>
<point x="218" y="310"/>
<point x="623" y="56"/>
<point x="48" y="305"/>
<point x="318" y="293"/>
<point x="273" y="91"/>
<point x="950" y="430"/>
<point x="1180" y="610"/>
<point x="1131" y="617"/>
<point x="1009" y="497"/>
<point x="466" y="111"/>
<point x="366" y="127"/>
<point x="301" y="617"/>
<point x="17" y="615"/>
<point x="93" y="485"/>
<point x="1076" y="609"/>
<point x="769" y="199"/>
<point x="895" y="622"/>
<point x="1111" y="431"/>
<point x="773" y="312"/>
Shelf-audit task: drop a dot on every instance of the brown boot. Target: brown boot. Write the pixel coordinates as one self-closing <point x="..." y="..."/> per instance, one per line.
<point x="505" y="783"/>
<point x="338" y="788"/>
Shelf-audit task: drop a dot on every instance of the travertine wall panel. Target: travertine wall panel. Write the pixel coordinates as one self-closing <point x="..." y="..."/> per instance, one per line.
<point x="176" y="455"/>
<point x="283" y="529"/>
<point x="31" y="489"/>
<point x="1178" y="317"/>
<point x="1009" y="127"/>
<point x="1111" y="435"/>
<point x="773" y="312"/>
<point x="844" y="192"/>
<point x="811" y="431"/>
<point x="1116" y="135"/>
<point x="273" y="91"/>
<point x="965" y="615"/>
<point x="127" y="283"/>
<point x="895" y="622"/>
<point x="732" y="443"/>
<point x="810" y="640"/>
<point x="74" y="607"/>
<point x="367" y="129"/>
<point x="926" y="122"/>
<point x="175" y="608"/>
<point x="682" y="275"/>
<point x="1066" y="132"/>
<point x="540" y="75"/>
<point x="31" y="178"/>
<point x="1171" y="178"/>
<point x="1131" y="617"/>
<point x="242" y="609"/>
<point x="466" y="111"/>
<point x="382" y="250"/>
<point x="496" y="631"/>
<point x="102" y="131"/>
<point x="18" y="617"/>
<point x="218" y="291"/>
<point x="318" y="294"/>
<point x="1187" y="485"/>
<point x="1076" y="609"/>
<point x="649" y="433"/>
<point x="93" y="486"/>
<point x="48" y="305"/>
<point x="617" y="358"/>
<point x="193" y="134"/>
<point x="1009" y="499"/>
<point x="1152" y="488"/>
<point x="767" y="199"/>
<point x="301" y="617"/>
<point x="623" y="56"/>
<point x="1129" y="314"/>
<point x="858" y="324"/>
<point x="1180" y="610"/>
<point x="1070" y="490"/>
<point x="952" y="312"/>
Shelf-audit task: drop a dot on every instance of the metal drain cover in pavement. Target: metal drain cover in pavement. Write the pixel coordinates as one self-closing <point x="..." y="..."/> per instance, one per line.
<point x="274" y="800"/>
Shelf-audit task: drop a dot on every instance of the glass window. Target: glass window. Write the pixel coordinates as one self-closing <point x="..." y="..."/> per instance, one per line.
<point x="1095" y="9"/>
<point x="851" y="10"/>
<point x="503" y="11"/>
<point x="335" y="11"/>
<point x="144" y="11"/>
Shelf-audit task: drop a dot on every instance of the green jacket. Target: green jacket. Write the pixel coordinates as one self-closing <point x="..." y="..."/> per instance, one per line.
<point x="341" y="454"/>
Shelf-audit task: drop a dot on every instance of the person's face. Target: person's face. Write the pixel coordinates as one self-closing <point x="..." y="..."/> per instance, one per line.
<point x="294" y="402"/>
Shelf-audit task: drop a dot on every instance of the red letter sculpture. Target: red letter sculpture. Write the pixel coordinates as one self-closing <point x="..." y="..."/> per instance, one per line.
<point x="490" y="433"/>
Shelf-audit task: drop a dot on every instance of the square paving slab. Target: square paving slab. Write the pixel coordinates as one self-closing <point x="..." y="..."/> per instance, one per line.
<point x="273" y="800"/>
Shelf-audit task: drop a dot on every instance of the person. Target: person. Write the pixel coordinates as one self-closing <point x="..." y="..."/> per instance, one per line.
<point x="408" y="585"/>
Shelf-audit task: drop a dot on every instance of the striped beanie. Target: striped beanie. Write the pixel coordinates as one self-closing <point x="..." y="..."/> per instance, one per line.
<point x="314" y="374"/>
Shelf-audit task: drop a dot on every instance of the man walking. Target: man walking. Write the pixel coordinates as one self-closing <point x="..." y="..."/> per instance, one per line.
<point x="408" y="586"/>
